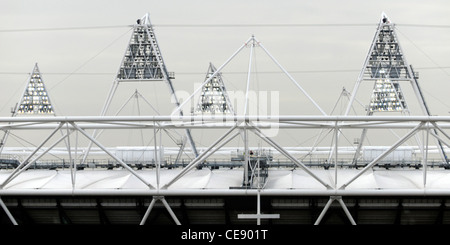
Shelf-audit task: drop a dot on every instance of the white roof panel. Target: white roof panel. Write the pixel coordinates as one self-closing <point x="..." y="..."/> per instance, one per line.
<point x="204" y="180"/>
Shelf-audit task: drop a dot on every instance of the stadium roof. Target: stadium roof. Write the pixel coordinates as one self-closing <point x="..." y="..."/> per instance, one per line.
<point x="228" y="182"/>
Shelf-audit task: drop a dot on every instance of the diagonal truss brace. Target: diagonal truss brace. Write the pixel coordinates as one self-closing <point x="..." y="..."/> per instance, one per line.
<point x="327" y="206"/>
<point x="93" y="140"/>
<point x="258" y="132"/>
<point x="384" y="154"/>
<point x="10" y="216"/>
<point x="166" y="205"/>
<point x="205" y="154"/>
<point x="23" y="165"/>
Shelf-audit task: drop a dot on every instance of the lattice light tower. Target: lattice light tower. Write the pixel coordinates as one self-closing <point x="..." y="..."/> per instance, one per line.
<point x="35" y="99"/>
<point x="143" y="59"/>
<point x="143" y="62"/>
<point x="214" y="97"/>
<point x="386" y="66"/>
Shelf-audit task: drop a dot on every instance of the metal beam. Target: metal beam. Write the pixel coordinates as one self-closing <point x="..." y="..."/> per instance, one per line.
<point x="10" y="216"/>
<point x="166" y="205"/>
<point x="16" y="173"/>
<point x="18" y="169"/>
<point x="293" y="80"/>
<point x="227" y="118"/>
<point x="327" y="206"/>
<point x="202" y="156"/>
<point x="112" y="155"/>
<point x="383" y="155"/>
<point x="292" y="158"/>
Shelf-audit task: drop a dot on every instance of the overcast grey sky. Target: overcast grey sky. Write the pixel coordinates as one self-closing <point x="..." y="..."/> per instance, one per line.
<point x="93" y="55"/>
<point x="79" y="65"/>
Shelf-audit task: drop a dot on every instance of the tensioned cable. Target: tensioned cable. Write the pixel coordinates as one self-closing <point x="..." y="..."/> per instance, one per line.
<point x="442" y="68"/>
<point x="17" y="138"/>
<point x="424" y="53"/>
<point x="63" y="28"/>
<point x="90" y="59"/>
<point x="14" y="94"/>
<point x="202" y="73"/>
<point x="284" y="25"/>
<point x="263" y="25"/>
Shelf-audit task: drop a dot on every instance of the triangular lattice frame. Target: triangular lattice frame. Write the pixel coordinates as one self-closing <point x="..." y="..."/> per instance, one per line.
<point x="214" y="97"/>
<point x="35" y="98"/>
<point x="142" y="59"/>
<point x="386" y="65"/>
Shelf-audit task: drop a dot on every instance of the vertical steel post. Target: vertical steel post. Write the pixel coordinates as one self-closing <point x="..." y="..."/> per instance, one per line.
<point x="336" y="137"/>
<point x="201" y="157"/>
<point x="155" y="157"/>
<point x="425" y="157"/>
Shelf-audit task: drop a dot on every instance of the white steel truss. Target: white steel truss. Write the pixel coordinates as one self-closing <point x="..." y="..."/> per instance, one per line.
<point x="336" y="188"/>
<point x="326" y="178"/>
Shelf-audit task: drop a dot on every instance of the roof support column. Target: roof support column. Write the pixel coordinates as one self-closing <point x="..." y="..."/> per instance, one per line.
<point x="7" y="212"/>
<point x="166" y="205"/>
<point x="327" y="206"/>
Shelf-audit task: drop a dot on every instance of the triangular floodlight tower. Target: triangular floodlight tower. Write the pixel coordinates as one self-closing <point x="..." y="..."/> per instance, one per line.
<point x="143" y="59"/>
<point x="386" y="66"/>
<point x="143" y="62"/>
<point x="214" y="97"/>
<point x="34" y="100"/>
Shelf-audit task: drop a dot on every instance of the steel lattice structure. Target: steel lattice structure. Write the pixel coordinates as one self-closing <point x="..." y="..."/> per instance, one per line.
<point x="214" y="97"/>
<point x="143" y="61"/>
<point x="251" y="174"/>
<point x="35" y="99"/>
<point x="334" y="181"/>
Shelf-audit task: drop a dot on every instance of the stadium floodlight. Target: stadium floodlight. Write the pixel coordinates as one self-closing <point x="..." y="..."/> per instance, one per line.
<point x="387" y="96"/>
<point x="386" y="65"/>
<point x="35" y="99"/>
<point x="214" y="97"/>
<point x="143" y="59"/>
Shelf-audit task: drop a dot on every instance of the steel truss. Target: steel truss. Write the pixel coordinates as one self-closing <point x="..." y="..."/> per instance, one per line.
<point x="335" y="186"/>
<point x="236" y="125"/>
